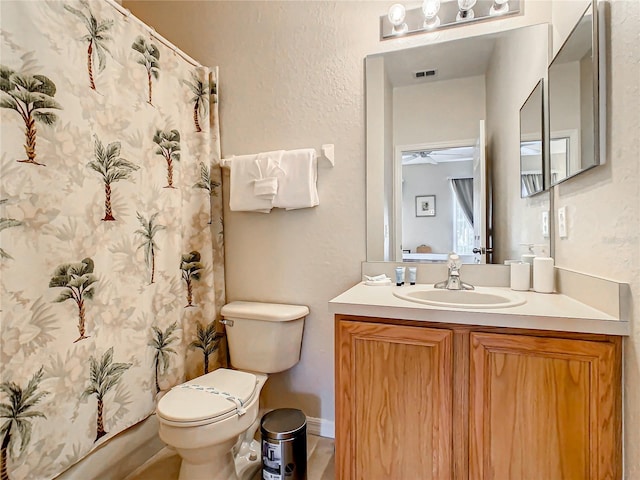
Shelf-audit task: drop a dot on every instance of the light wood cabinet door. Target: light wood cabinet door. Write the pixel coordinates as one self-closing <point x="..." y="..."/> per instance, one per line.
<point x="393" y="402"/>
<point x="544" y="408"/>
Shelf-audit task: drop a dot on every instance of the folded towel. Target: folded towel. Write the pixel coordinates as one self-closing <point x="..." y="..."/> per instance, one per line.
<point x="242" y="198"/>
<point x="297" y="188"/>
<point x="266" y="188"/>
<point x="378" y="280"/>
<point x="268" y="164"/>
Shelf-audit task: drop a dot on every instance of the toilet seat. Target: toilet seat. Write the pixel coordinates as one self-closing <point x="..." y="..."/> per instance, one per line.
<point x="210" y="398"/>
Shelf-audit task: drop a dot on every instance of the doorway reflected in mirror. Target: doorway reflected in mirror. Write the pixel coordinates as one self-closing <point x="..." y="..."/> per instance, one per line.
<point x="428" y="235"/>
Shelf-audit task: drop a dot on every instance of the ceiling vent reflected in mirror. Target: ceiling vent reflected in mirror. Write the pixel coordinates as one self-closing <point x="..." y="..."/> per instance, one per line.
<point x="438" y="14"/>
<point x="426" y="73"/>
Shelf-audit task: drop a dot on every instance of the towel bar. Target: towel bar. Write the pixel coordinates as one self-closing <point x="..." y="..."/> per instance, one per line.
<point x="327" y="152"/>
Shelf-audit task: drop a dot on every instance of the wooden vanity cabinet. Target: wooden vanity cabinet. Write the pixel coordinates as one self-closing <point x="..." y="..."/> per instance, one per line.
<point x="419" y="400"/>
<point x="394" y="388"/>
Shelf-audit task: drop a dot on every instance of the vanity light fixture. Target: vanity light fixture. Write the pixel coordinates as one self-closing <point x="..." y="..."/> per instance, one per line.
<point x="436" y="14"/>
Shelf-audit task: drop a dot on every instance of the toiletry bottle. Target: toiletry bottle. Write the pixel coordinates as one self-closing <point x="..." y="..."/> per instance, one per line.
<point x="413" y="271"/>
<point x="399" y="276"/>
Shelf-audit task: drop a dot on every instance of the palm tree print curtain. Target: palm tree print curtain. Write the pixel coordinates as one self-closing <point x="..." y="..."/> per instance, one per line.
<point x="111" y="258"/>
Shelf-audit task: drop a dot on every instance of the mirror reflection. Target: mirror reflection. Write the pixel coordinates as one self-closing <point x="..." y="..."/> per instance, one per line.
<point x="531" y="144"/>
<point x="437" y="203"/>
<point x="573" y="99"/>
<point x="437" y="116"/>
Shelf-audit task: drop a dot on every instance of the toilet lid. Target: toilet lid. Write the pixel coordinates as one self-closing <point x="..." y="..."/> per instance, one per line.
<point x="184" y="403"/>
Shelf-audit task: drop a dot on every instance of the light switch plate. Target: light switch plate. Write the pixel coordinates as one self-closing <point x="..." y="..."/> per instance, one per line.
<point x="545" y="224"/>
<point x="562" y="222"/>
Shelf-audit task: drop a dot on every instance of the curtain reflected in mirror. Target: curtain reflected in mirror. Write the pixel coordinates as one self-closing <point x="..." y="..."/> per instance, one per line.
<point x="463" y="190"/>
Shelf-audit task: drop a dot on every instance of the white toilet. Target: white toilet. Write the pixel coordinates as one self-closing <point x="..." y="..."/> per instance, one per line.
<point x="211" y="420"/>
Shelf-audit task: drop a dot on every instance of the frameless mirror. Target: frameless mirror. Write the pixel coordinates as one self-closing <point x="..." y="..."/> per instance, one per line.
<point x="575" y="107"/>
<point x="532" y="151"/>
<point x="443" y="148"/>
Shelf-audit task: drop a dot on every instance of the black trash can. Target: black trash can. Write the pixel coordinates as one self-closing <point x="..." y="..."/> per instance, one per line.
<point x="284" y="445"/>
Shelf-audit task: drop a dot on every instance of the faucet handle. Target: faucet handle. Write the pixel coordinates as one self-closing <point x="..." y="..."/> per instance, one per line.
<point x="454" y="261"/>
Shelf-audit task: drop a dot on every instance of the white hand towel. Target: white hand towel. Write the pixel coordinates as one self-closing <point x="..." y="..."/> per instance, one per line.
<point x="244" y="173"/>
<point x="297" y="188"/>
<point x="266" y="188"/>
<point x="268" y="164"/>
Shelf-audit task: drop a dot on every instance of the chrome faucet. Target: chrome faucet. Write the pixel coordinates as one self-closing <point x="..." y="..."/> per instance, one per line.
<point x="453" y="281"/>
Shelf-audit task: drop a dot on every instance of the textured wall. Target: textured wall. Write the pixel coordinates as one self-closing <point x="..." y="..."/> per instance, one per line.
<point x="292" y="75"/>
<point x="603" y="204"/>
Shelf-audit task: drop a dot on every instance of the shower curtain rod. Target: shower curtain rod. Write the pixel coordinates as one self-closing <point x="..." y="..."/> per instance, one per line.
<point x="127" y="13"/>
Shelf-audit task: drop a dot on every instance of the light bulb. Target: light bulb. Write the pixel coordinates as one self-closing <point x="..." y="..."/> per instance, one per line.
<point x="396" y="14"/>
<point x="499" y="7"/>
<point x="466" y="10"/>
<point x="466" y="4"/>
<point x="396" y="17"/>
<point x="430" y="8"/>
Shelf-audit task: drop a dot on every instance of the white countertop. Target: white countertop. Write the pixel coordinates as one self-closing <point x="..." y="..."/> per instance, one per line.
<point x="540" y="312"/>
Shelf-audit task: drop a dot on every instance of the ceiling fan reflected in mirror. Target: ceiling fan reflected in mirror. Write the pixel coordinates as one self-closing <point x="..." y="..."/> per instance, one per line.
<point x="436" y="156"/>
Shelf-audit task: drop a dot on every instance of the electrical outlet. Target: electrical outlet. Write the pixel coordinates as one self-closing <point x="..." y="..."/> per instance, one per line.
<point x="545" y="224"/>
<point x="562" y="222"/>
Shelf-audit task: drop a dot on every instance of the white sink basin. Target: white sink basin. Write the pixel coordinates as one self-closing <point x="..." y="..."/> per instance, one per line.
<point x="481" y="297"/>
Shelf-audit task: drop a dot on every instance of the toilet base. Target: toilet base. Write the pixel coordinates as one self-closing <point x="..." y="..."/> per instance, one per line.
<point x="242" y="466"/>
<point x="249" y="463"/>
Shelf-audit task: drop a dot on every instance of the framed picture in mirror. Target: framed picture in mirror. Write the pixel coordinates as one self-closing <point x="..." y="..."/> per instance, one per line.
<point x="425" y="206"/>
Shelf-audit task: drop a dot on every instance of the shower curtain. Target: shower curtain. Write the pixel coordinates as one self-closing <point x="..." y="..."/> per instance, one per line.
<point x="111" y="256"/>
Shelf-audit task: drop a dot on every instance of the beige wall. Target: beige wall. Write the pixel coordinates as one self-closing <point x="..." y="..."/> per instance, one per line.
<point x="379" y="107"/>
<point x="292" y="75"/>
<point x="444" y="111"/>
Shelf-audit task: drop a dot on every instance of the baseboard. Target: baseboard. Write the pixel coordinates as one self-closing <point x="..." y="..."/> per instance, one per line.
<point x="321" y="427"/>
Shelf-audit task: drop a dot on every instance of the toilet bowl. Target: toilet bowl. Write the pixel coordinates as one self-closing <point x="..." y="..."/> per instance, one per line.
<point x="211" y="420"/>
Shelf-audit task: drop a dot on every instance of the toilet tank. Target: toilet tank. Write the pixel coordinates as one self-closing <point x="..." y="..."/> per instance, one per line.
<point x="264" y="337"/>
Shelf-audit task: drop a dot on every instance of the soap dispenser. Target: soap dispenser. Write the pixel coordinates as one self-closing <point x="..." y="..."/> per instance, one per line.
<point x="528" y="258"/>
<point x="530" y="255"/>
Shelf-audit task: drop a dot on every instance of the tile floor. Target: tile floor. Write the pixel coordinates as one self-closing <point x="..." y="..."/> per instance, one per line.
<point x="165" y="465"/>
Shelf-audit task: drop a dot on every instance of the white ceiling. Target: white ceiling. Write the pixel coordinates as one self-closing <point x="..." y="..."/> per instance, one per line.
<point x="455" y="59"/>
<point x="578" y="44"/>
<point x="439" y="155"/>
